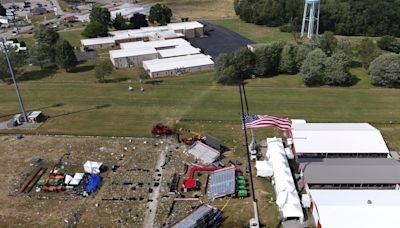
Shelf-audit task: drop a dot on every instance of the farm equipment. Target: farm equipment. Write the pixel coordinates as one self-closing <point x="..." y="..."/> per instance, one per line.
<point x="190" y="140"/>
<point x="161" y="129"/>
<point x="190" y="183"/>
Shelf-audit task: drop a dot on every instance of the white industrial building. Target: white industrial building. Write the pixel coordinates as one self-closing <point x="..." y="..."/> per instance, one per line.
<point x="178" y="65"/>
<point x="133" y="54"/>
<point x="337" y="140"/>
<point x="171" y="31"/>
<point x="125" y="58"/>
<point x="355" y="208"/>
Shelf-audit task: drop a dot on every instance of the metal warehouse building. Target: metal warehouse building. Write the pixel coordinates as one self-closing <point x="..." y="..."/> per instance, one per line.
<point x="125" y="58"/>
<point x="178" y="65"/>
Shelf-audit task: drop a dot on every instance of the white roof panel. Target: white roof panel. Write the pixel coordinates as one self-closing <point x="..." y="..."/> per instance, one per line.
<point x="179" y="51"/>
<point x="121" y="53"/>
<point x="203" y="152"/>
<point x="157" y="65"/>
<point x="357" y="208"/>
<point x="155" y="44"/>
<point x="185" y="25"/>
<point x="97" y="41"/>
<point x="337" y="138"/>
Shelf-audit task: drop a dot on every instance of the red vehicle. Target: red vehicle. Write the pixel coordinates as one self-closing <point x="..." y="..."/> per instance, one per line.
<point x="161" y="129"/>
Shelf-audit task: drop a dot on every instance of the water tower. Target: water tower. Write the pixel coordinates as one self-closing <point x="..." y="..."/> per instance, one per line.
<point x="311" y="15"/>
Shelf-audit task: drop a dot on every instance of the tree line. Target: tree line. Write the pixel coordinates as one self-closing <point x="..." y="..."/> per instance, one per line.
<point x="322" y="61"/>
<point x="344" y="17"/>
<point x="100" y="20"/>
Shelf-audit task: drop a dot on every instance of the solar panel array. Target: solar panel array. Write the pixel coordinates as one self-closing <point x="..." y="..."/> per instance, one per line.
<point x="222" y="183"/>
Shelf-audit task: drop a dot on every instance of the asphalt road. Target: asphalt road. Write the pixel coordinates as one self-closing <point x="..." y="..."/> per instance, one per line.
<point x="219" y="40"/>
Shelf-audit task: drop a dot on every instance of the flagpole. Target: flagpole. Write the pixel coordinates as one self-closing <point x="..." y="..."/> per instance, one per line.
<point x="241" y="87"/>
<point x="247" y="109"/>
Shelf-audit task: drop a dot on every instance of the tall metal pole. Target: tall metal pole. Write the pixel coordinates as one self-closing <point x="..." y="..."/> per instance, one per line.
<point x="248" y="155"/>
<point x="21" y="103"/>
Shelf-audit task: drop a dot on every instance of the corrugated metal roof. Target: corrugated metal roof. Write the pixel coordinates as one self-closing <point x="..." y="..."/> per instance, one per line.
<point x="192" y="219"/>
<point x="128" y="52"/>
<point x="351" y="171"/>
<point x="222" y="183"/>
<point x="157" y="65"/>
<point x="203" y="152"/>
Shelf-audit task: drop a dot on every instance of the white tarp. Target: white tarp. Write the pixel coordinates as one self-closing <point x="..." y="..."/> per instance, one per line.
<point x="92" y="167"/>
<point x="76" y="179"/>
<point x="264" y="169"/>
<point x="67" y="179"/>
<point x="287" y="197"/>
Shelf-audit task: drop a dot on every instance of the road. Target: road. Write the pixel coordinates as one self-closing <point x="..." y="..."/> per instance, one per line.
<point x="153" y="199"/>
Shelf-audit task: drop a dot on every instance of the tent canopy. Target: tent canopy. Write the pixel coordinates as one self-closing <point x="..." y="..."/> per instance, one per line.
<point x="92" y="167"/>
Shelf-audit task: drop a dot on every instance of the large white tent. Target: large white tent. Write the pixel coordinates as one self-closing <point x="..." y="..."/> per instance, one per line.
<point x="264" y="169"/>
<point x="337" y="138"/>
<point x="287" y="197"/>
<point x="356" y="208"/>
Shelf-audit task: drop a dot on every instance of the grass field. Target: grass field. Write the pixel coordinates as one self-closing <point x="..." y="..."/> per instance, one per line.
<point x="258" y="33"/>
<point x="198" y="9"/>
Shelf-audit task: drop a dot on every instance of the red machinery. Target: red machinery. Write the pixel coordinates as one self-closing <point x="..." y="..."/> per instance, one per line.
<point x="191" y="183"/>
<point x="161" y="129"/>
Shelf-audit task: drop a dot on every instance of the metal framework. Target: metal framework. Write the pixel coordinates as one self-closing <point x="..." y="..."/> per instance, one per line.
<point x="311" y="18"/>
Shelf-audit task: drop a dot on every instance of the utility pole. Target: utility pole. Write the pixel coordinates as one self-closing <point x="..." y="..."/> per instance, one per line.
<point x="21" y="103"/>
<point x="255" y="207"/>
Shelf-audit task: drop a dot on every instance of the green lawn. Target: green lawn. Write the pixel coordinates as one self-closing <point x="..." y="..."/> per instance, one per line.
<point x="258" y="33"/>
<point x="191" y="101"/>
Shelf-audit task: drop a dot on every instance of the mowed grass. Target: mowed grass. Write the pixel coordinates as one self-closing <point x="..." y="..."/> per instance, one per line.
<point x="73" y="37"/>
<point x="257" y="33"/>
<point x="198" y="9"/>
<point x="78" y="105"/>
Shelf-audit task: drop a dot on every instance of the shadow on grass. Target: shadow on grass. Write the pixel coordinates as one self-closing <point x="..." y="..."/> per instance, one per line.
<point x="82" y="110"/>
<point x="154" y="82"/>
<point x="35" y="109"/>
<point x="115" y="80"/>
<point x="81" y="69"/>
<point x="37" y="74"/>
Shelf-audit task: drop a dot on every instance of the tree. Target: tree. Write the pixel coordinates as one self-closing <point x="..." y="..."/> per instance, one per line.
<point x="244" y="61"/>
<point x="327" y="42"/>
<point x="45" y="35"/>
<point x="42" y="55"/>
<point x="100" y="14"/>
<point x="337" y="70"/>
<point x="103" y="69"/>
<point x="312" y="70"/>
<point x="143" y="75"/>
<point x="268" y="58"/>
<point x="95" y="29"/>
<point x="17" y="60"/>
<point x="119" y="22"/>
<point x="138" y="20"/>
<point x="385" y="70"/>
<point x="389" y="43"/>
<point x="367" y="51"/>
<point x="65" y="56"/>
<point x="288" y="59"/>
<point x="345" y="46"/>
<point x="2" y="10"/>
<point x="160" y="13"/>
<point x="302" y="52"/>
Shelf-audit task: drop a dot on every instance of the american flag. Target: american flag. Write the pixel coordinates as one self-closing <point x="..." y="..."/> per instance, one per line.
<point x="255" y="121"/>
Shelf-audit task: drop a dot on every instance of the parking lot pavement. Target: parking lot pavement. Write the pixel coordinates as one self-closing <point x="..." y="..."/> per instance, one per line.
<point x="219" y="40"/>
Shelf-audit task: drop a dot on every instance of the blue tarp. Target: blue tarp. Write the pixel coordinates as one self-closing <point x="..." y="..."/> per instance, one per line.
<point x="93" y="183"/>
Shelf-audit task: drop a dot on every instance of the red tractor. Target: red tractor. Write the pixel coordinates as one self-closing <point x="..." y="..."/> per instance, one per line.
<point x="161" y="129"/>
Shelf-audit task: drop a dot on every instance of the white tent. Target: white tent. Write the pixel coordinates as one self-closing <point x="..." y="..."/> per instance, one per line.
<point x="264" y="169"/>
<point x="287" y="198"/>
<point x="92" y="167"/>
<point x="76" y="179"/>
<point x="67" y="179"/>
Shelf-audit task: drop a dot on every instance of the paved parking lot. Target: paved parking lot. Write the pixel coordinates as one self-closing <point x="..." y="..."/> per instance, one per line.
<point x="219" y="40"/>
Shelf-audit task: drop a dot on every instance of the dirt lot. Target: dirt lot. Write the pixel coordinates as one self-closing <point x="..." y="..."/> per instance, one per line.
<point x="121" y="201"/>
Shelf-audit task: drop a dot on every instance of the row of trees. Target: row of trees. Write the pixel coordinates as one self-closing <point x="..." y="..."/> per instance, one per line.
<point x="322" y="61"/>
<point x="50" y="50"/>
<point x="356" y="17"/>
<point x="277" y="57"/>
<point x="100" y="20"/>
